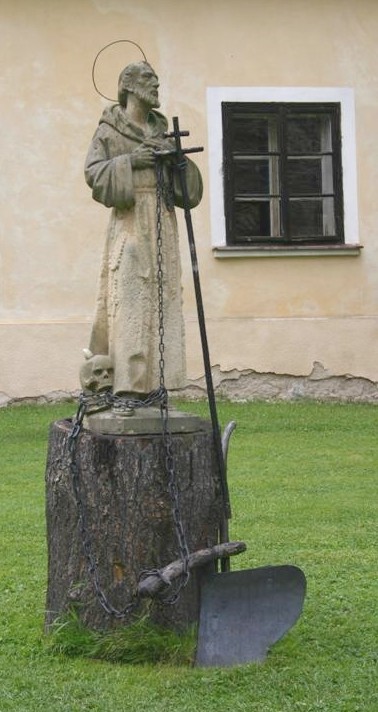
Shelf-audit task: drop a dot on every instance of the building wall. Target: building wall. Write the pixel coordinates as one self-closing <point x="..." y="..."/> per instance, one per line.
<point x="264" y="315"/>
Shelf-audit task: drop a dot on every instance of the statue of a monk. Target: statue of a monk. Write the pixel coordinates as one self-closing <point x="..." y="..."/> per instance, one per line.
<point x="120" y="169"/>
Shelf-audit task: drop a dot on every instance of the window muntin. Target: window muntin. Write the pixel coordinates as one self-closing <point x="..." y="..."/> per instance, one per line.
<point x="282" y="173"/>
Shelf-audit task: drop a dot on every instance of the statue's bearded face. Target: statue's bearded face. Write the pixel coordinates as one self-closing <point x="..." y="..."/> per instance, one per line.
<point x="140" y="79"/>
<point x="146" y="86"/>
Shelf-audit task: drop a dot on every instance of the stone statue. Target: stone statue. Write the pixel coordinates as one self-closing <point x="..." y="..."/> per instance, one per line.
<point x="120" y="169"/>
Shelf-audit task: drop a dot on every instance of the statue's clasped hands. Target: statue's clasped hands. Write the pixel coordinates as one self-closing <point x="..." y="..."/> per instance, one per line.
<point x="144" y="156"/>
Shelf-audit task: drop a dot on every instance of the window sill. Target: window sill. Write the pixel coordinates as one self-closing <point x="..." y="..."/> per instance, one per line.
<point x="226" y="251"/>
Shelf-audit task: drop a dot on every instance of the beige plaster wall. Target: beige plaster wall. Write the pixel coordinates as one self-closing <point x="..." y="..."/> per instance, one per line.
<point x="270" y="315"/>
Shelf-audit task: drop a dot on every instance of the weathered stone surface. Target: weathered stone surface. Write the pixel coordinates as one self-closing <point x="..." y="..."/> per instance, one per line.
<point x="320" y="385"/>
<point x="43" y="399"/>
<point x="248" y="385"/>
<point x="121" y="170"/>
<point x="4" y="400"/>
<point x="143" y="421"/>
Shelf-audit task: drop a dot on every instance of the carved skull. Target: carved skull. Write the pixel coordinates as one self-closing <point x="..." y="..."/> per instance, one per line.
<point x="96" y="373"/>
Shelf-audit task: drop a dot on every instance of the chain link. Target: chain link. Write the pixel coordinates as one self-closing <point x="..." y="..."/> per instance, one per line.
<point x="167" y="435"/>
<point x="106" y="399"/>
<point x="159" y="259"/>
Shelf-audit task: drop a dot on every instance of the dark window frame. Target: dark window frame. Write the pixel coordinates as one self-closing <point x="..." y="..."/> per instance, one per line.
<point x="283" y="112"/>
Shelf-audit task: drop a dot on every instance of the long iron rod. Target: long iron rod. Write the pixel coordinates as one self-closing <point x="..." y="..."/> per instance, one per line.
<point x="181" y="165"/>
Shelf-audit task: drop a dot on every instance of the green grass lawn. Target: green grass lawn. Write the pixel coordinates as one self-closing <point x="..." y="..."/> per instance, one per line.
<point x="303" y="485"/>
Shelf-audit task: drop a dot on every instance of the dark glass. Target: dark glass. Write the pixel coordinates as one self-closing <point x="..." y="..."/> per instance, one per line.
<point x="306" y="218"/>
<point x="304" y="176"/>
<point x="252" y="177"/>
<point x="252" y="219"/>
<point x="305" y="134"/>
<point x="250" y="134"/>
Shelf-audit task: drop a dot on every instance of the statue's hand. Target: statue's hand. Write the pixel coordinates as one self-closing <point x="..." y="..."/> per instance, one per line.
<point x="142" y="157"/>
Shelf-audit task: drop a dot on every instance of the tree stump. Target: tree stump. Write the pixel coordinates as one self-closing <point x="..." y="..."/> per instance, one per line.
<point x="123" y="489"/>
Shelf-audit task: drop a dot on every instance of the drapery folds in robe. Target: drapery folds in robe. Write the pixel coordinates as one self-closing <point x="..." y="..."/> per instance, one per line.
<point x="126" y="325"/>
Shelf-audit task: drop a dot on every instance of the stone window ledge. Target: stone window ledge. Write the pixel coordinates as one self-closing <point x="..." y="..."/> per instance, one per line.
<point x="287" y="251"/>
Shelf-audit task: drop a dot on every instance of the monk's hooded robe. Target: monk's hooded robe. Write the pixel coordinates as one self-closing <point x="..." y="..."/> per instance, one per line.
<point x="126" y="323"/>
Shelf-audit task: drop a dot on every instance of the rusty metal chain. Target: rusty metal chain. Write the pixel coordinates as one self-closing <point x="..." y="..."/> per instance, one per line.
<point x="165" y="191"/>
<point x="106" y="399"/>
<point x="167" y="435"/>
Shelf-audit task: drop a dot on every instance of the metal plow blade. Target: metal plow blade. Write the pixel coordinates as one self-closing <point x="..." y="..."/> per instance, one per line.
<point x="244" y="612"/>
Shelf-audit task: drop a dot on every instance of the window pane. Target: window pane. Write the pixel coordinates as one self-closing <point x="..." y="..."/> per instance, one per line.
<point x="329" y="225"/>
<point x="306" y="218"/>
<point x="252" y="219"/>
<point x="308" y="134"/>
<point x="327" y="174"/>
<point x="252" y="176"/>
<point x="304" y="176"/>
<point x="312" y="218"/>
<point x="310" y="176"/>
<point x="254" y="134"/>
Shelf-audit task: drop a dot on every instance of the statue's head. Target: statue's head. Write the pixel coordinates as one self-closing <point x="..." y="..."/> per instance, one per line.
<point x="140" y="79"/>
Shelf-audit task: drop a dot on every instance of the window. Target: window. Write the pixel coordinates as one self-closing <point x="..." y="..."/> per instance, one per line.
<point x="282" y="173"/>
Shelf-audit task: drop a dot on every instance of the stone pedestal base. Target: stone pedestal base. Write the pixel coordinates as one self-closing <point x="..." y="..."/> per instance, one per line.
<point x="145" y="421"/>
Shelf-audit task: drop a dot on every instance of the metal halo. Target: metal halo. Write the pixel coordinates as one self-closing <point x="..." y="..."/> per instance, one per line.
<point x="97" y="56"/>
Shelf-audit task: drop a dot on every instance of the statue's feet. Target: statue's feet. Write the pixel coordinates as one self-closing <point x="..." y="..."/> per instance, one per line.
<point x="126" y="403"/>
<point x="123" y="409"/>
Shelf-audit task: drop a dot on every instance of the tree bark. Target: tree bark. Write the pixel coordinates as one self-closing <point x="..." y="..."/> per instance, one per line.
<point x="129" y="525"/>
